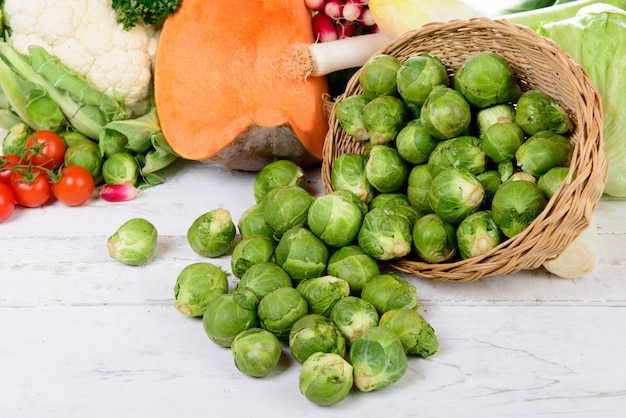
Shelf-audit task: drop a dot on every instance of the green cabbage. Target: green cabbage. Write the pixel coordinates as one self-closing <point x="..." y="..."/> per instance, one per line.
<point x="596" y="38"/>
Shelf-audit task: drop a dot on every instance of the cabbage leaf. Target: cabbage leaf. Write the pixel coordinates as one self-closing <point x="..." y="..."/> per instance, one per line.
<point x="596" y="38"/>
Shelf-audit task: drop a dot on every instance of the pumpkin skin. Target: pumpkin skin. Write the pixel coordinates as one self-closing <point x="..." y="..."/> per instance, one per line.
<point x="221" y="93"/>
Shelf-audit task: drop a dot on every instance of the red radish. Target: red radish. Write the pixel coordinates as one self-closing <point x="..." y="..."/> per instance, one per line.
<point x="334" y="9"/>
<point x="324" y="28"/>
<point x="366" y="18"/>
<point x="316" y="5"/>
<point x="118" y="192"/>
<point x="352" y="10"/>
<point x="345" y="29"/>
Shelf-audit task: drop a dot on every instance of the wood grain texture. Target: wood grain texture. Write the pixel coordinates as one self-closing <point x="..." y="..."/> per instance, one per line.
<point x="83" y="335"/>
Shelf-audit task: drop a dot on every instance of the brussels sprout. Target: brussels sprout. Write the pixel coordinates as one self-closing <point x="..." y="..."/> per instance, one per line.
<point x="197" y="285"/>
<point x="417" y="335"/>
<point x="383" y="118"/>
<point x="537" y="111"/>
<point x="14" y="141"/>
<point x="352" y="198"/>
<point x="72" y="137"/>
<point x="543" y="151"/>
<point x="212" y="234"/>
<point x="335" y="220"/>
<point x="486" y="79"/>
<point x="417" y="76"/>
<point x="515" y="206"/>
<point x="385" y="235"/>
<point x="506" y="169"/>
<point x="275" y="175"/>
<point x="499" y="113"/>
<point x="353" y="265"/>
<point x="414" y="143"/>
<point x="390" y="291"/>
<point x="349" y="113"/>
<point x="490" y="181"/>
<point x="251" y="251"/>
<point x="321" y="293"/>
<point x="325" y="378"/>
<point x="434" y="239"/>
<point x="302" y="254"/>
<point x="252" y="222"/>
<point x="477" y="234"/>
<point x="408" y="212"/>
<point x="353" y="315"/>
<point x="389" y="200"/>
<point x="378" y="359"/>
<point x="111" y="142"/>
<point x="378" y="76"/>
<point x="280" y="309"/>
<point x="314" y="333"/>
<point x="134" y="242"/>
<point x="86" y="154"/>
<point x="501" y="140"/>
<point x="460" y="152"/>
<point x="385" y="169"/>
<point x="256" y="352"/>
<point x="120" y="168"/>
<point x="455" y="193"/>
<point x="398" y="203"/>
<point x="446" y="114"/>
<point x="262" y="278"/>
<point x="550" y="181"/>
<point x="520" y="175"/>
<point x="285" y="208"/>
<point x="348" y="173"/>
<point x="228" y="315"/>
<point x="418" y="184"/>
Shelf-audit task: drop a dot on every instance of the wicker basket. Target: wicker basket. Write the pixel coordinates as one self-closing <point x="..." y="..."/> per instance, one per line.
<point x="538" y="64"/>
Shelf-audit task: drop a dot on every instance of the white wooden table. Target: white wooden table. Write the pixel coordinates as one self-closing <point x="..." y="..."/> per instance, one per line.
<point x="85" y="336"/>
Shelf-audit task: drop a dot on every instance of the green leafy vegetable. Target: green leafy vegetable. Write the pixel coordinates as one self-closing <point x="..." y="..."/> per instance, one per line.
<point x="131" y="12"/>
<point x="596" y="37"/>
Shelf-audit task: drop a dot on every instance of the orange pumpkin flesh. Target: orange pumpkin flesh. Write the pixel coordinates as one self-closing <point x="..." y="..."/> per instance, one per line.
<point x="220" y="93"/>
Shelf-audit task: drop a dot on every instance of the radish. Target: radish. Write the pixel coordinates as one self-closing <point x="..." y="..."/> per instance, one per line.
<point x="352" y="10"/>
<point x="334" y="9"/>
<point x="324" y="27"/>
<point x="345" y="29"/>
<point x="118" y="192"/>
<point x="315" y="5"/>
<point x="366" y="18"/>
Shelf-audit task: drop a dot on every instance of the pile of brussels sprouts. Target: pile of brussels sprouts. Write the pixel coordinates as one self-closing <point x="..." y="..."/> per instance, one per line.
<point x="302" y="281"/>
<point x="455" y="164"/>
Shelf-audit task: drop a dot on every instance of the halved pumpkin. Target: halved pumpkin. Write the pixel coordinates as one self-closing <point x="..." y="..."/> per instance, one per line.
<point x="220" y="94"/>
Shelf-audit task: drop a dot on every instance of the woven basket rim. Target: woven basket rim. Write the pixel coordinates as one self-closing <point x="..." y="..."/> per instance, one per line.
<point x="571" y="208"/>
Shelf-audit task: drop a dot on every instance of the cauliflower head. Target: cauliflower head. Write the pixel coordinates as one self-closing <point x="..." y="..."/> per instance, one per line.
<point x="86" y="37"/>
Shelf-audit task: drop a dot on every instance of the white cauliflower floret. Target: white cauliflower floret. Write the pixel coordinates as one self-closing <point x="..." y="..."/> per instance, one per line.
<point x="85" y="36"/>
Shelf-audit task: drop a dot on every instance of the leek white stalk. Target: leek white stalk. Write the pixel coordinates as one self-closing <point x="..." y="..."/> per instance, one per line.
<point x="580" y="258"/>
<point x="322" y="58"/>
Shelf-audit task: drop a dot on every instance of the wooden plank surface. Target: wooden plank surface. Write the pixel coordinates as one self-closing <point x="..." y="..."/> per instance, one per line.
<point x="83" y="335"/>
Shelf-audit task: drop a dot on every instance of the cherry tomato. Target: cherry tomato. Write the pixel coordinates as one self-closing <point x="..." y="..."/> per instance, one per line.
<point x="6" y="162"/>
<point x="7" y="202"/>
<point x="75" y="186"/>
<point x="31" y="188"/>
<point x="45" y="149"/>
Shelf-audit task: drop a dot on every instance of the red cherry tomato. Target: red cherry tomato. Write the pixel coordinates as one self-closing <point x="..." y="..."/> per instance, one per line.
<point x="45" y="149"/>
<point x="31" y="188"/>
<point x="75" y="186"/>
<point x="6" y="163"/>
<point x="7" y="202"/>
